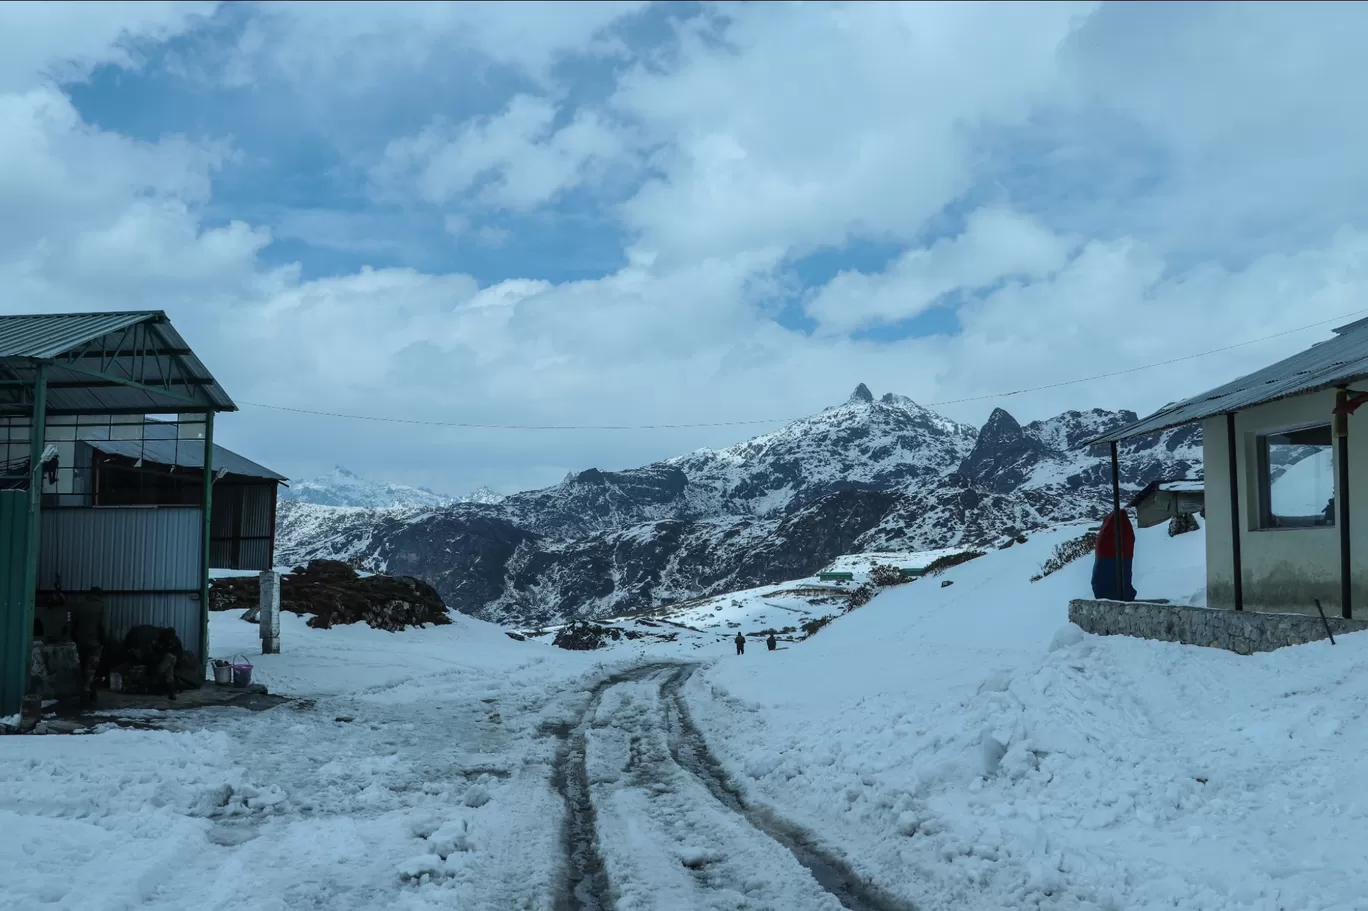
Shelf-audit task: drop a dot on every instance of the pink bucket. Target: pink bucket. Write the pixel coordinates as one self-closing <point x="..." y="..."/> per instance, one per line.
<point x="242" y="672"/>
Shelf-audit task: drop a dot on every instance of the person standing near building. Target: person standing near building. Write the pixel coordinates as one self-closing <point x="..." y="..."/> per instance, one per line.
<point x="740" y="644"/>
<point x="88" y="632"/>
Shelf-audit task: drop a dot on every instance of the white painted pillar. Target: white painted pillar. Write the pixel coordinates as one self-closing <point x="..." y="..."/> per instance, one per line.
<point x="268" y="618"/>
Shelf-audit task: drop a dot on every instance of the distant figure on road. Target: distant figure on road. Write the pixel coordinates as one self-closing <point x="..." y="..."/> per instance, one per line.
<point x="740" y="644"/>
<point x="770" y="642"/>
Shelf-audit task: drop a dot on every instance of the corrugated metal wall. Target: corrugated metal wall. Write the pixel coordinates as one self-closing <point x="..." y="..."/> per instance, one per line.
<point x="243" y="523"/>
<point x="123" y="612"/>
<point x="13" y="599"/>
<point x="147" y="559"/>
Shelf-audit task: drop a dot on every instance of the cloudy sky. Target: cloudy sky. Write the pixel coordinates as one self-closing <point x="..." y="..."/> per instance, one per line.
<point x="628" y="213"/>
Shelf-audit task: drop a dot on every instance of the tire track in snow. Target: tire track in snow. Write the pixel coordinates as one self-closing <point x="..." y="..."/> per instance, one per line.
<point x="682" y="763"/>
<point x="691" y="753"/>
<point x="586" y="884"/>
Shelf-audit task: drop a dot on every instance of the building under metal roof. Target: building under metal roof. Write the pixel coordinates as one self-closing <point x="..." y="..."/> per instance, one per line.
<point x="56" y="370"/>
<point x="1335" y="362"/>
<point x="187" y="454"/>
<point x="104" y="363"/>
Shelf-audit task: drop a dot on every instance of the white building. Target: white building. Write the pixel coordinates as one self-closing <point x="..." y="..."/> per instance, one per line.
<point x="1282" y="455"/>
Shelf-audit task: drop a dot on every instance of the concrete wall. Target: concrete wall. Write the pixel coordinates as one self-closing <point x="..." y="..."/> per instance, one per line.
<point x="1243" y="633"/>
<point x="1284" y="568"/>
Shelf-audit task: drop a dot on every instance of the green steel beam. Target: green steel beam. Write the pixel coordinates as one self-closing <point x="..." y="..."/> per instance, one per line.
<point x="37" y="439"/>
<point x="134" y="384"/>
<point x="205" y="540"/>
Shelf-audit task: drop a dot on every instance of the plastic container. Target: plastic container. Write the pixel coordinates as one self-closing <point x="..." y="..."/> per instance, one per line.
<point x="242" y="672"/>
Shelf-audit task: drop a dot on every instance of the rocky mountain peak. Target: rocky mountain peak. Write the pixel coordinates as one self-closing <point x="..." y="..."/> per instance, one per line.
<point x="1003" y="455"/>
<point x="999" y="429"/>
<point x="861" y="394"/>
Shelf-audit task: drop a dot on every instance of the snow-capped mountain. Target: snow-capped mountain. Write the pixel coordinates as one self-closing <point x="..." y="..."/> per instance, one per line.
<point x="342" y="487"/>
<point x="870" y="474"/>
<point x="483" y="495"/>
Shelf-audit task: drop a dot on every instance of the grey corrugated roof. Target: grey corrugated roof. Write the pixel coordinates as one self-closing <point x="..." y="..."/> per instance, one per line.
<point x="184" y="454"/>
<point x="1334" y="362"/>
<point x="58" y="340"/>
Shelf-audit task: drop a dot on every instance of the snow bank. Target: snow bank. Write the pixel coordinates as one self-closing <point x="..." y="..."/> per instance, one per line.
<point x="969" y="749"/>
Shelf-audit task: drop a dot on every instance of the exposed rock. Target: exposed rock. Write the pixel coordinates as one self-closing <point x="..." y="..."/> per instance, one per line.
<point x="330" y="592"/>
<point x="1182" y="524"/>
<point x="580" y="636"/>
<point x="861" y="394"/>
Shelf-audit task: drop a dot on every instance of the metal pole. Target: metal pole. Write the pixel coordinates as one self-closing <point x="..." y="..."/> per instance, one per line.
<point x="207" y="505"/>
<point x="1116" y="522"/>
<point x="1341" y="425"/>
<point x="1234" y="468"/>
<point x="37" y="442"/>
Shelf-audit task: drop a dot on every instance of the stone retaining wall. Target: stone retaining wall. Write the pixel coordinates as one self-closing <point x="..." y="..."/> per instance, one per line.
<point x="1242" y="632"/>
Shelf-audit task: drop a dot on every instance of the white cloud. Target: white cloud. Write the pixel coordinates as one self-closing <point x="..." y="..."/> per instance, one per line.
<point x="346" y="48"/>
<point x="995" y="244"/>
<point x="518" y="160"/>
<point x="771" y="130"/>
<point x="91" y="219"/>
<point x="43" y="41"/>
<point x="804" y="125"/>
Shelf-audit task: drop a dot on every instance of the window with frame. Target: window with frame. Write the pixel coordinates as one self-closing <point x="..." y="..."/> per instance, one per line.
<point x="1297" y="478"/>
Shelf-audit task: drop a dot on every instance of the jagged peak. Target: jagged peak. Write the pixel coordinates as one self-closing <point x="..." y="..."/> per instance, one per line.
<point x="1000" y="422"/>
<point x="861" y="394"/>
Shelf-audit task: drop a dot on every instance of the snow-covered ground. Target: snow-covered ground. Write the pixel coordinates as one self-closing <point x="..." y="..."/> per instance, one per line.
<point x="434" y="793"/>
<point x="967" y="750"/>
<point x="942" y="746"/>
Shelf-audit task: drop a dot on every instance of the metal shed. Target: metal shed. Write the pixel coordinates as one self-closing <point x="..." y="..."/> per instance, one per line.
<point x="69" y="384"/>
<point x="168" y="472"/>
<point x="1161" y="501"/>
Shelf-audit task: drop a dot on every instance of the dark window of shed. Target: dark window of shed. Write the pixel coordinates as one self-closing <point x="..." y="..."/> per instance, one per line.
<point x="1297" y="478"/>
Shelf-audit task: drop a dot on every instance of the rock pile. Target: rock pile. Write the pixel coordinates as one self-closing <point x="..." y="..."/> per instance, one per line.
<point x="329" y="593"/>
<point x="580" y="636"/>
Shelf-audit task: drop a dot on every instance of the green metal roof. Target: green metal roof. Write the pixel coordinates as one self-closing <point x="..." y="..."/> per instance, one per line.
<point x="106" y="363"/>
<point x="52" y="334"/>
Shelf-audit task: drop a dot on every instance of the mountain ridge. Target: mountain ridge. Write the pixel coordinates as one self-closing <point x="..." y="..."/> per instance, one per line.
<point x="346" y="489"/>
<point x="871" y="473"/>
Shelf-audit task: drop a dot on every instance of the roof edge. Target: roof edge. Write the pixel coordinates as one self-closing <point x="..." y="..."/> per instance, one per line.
<point x="1122" y="434"/>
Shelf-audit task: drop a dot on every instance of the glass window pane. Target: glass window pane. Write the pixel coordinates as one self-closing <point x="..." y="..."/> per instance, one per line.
<point x="1300" y="478"/>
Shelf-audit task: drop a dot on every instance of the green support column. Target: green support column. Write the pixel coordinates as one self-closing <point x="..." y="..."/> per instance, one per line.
<point x="37" y="440"/>
<point x="207" y="505"/>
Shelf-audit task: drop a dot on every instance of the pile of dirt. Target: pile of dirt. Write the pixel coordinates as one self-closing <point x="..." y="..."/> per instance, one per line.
<point x="330" y="593"/>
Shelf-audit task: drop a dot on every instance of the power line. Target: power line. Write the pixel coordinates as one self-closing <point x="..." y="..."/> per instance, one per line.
<point x="976" y="398"/>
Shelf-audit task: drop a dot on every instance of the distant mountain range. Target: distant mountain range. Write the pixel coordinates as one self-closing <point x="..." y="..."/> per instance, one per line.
<point x="344" y="488"/>
<point x="870" y="474"/>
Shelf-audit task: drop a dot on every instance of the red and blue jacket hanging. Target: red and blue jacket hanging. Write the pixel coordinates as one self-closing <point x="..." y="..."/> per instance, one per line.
<point x="1106" y="557"/>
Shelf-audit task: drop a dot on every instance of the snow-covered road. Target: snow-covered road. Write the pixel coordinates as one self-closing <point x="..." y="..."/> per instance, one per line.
<point x="653" y="822"/>
<point x="455" y="789"/>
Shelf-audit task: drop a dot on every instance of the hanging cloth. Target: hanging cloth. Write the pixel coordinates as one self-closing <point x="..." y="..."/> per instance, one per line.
<point x="1105" y="559"/>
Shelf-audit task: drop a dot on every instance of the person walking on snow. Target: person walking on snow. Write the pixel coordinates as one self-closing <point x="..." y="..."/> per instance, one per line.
<point x="740" y="644"/>
<point x="770" y="642"/>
